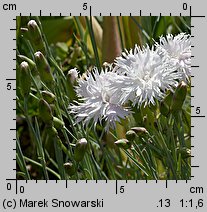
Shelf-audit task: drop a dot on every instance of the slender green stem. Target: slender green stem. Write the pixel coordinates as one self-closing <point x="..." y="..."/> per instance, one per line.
<point x="40" y="165"/>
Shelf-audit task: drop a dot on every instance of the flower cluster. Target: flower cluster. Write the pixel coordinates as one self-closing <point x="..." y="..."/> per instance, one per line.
<point x="99" y="101"/>
<point x="140" y="76"/>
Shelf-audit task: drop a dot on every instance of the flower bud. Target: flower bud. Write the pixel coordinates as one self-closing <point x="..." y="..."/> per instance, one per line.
<point x="48" y="97"/>
<point x="123" y="143"/>
<point x="44" y="69"/>
<point x="59" y="124"/>
<point x="130" y="135"/>
<point x="45" y="112"/>
<point x="72" y="75"/>
<point x="80" y="149"/>
<point x="185" y="152"/>
<point x="35" y="36"/>
<point x="166" y="104"/>
<point x="139" y="130"/>
<point x="179" y="97"/>
<point x="28" y="60"/>
<point x="25" y="79"/>
<point x="69" y="168"/>
<point x="24" y="30"/>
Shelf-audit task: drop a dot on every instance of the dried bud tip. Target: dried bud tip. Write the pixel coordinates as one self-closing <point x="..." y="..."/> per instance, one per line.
<point x="73" y="75"/>
<point x="38" y="55"/>
<point x="24" y="65"/>
<point x="32" y="23"/>
<point x="123" y="143"/>
<point x="139" y="130"/>
<point x="70" y="169"/>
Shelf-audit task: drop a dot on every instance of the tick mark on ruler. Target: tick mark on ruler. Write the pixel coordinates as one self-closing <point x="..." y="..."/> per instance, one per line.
<point x="116" y="187"/>
<point x="90" y="10"/>
<point x="198" y="16"/>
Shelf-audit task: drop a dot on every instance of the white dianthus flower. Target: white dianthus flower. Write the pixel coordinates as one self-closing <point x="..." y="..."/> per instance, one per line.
<point x="99" y="102"/>
<point x="147" y="76"/>
<point x="178" y="49"/>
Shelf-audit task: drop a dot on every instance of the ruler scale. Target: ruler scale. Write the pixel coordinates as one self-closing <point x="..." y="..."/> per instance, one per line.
<point x="119" y="195"/>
